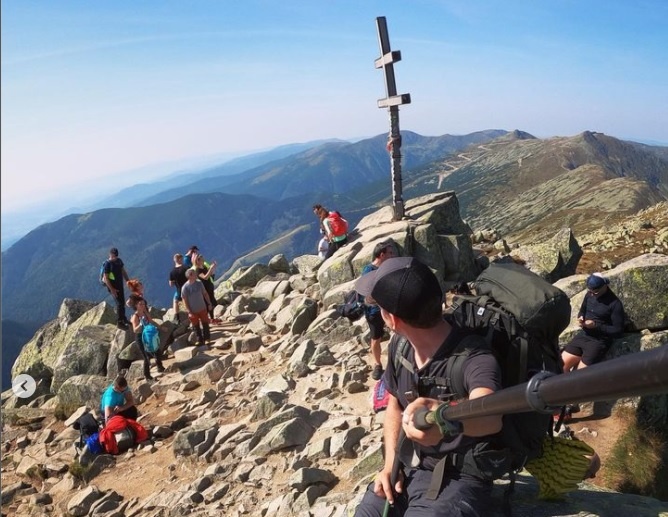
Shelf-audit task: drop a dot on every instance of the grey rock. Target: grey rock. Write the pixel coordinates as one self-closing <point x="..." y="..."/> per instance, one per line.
<point x="80" y="504"/>
<point x="306" y="477"/>
<point x="292" y="433"/>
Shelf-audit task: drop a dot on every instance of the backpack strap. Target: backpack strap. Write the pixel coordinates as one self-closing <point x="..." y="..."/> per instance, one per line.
<point x="401" y="356"/>
<point x="454" y="371"/>
<point x="401" y="360"/>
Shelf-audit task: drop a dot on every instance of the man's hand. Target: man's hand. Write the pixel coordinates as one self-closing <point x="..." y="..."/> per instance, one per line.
<point x="428" y="437"/>
<point x="589" y="324"/>
<point x="383" y="485"/>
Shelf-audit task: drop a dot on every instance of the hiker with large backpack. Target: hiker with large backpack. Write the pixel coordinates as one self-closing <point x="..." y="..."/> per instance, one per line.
<point x="146" y="335"/>
<point x="113" y="275"/>
<point x="336" y="229"/>
<point x="439" y="474"/>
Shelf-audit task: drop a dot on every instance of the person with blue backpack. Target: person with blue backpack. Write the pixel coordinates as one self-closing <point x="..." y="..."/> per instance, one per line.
<point x="146" y="335"/>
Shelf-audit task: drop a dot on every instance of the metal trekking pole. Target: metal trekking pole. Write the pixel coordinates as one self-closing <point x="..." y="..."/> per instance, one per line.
<point x="394" y="473"/>
<point x="641" y="373"/>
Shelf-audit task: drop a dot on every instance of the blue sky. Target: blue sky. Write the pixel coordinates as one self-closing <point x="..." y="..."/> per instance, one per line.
<point x="92" y="89"/>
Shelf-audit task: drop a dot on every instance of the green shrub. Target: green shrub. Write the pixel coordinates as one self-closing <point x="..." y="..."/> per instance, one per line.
<point x="37" y="472"/>
<point x="78" y="471"/>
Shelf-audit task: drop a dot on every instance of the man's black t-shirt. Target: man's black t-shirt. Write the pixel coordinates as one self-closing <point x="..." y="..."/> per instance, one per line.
<point x="480" y="370"/>
<point x="178" y="276"/>
<point x="114" y="269"/>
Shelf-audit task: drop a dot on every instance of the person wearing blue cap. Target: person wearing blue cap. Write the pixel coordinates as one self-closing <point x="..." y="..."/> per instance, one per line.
<point x="601" y="319"/>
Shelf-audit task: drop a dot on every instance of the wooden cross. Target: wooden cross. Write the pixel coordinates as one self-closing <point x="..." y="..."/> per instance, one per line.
<point x="392" y="101"/>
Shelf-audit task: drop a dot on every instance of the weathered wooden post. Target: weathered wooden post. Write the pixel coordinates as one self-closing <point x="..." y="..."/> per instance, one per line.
<point x="392" y="101"/>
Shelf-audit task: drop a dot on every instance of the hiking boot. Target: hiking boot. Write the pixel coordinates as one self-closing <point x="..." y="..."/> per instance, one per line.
<point x="161" y="369"/>
<point x="377" y="372"/>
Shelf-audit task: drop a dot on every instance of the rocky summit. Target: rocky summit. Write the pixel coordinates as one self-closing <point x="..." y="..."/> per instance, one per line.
<point x="274" y="416"/>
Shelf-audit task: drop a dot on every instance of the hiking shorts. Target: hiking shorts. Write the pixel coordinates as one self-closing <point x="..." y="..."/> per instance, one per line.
<point x="376" y="325"/>
<point x="177" y="294"/>
<point x="590" y="349"/>
<point x="202" y="316"/>
<point x="465" y="496"/>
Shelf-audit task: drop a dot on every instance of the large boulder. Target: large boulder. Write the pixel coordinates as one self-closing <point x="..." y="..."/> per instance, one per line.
<point x="85" y="353"/>
<point x="554" y="258"/>
<point x="82" y="390"/>
<point x="640" y="285"/>
<point x="71" y="310"/>
<point x="432" y="231"/>
<point x="41" y="354"/>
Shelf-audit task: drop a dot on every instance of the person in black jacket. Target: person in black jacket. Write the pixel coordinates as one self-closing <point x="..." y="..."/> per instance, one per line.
<point x="114" y="277"/>
<point x="601" y="318"/>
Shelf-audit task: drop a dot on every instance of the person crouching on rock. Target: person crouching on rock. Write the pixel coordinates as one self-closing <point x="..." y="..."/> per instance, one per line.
<point x="118" y="400"/>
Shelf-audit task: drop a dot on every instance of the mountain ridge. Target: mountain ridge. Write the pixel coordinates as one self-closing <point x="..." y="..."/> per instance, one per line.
<point x="527" y="188"/>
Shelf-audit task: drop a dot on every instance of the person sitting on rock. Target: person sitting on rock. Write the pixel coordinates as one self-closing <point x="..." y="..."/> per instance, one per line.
<point x="118" y="400"/>
<point x="433" y="482"/>
<point x="601" y="319"/>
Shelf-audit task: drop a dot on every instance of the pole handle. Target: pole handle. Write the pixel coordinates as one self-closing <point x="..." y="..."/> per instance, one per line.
<point x="423" y="419"/>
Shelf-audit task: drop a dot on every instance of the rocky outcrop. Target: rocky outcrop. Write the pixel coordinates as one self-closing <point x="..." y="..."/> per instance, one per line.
<point x="639" y="283"/>
<point x="431" y="230"/>
<point x="553" y="259"/>
<point x="42" y="354"/>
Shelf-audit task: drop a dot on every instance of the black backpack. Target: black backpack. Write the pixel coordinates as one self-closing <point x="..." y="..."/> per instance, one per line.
<point x="352" y="307"/>
<point x="87" y="426"/>
<point x="520" y="317"/>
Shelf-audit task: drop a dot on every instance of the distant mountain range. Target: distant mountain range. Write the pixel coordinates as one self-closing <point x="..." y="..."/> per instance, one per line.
<point x="258" y="206"/>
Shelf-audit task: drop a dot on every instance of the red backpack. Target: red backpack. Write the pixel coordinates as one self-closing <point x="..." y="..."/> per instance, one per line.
<point x="339" y="224"/>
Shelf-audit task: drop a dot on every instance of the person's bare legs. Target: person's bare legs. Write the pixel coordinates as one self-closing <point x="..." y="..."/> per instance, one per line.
<point x="571" y="361"/>
<point x="375" y="351"/>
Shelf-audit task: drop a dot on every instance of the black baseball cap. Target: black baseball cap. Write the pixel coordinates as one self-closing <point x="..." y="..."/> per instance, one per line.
<point x="403" y="286"/>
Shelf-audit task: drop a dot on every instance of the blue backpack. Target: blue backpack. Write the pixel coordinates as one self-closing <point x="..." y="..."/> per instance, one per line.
<point x="150" y="336"/>
<point x="94" y="445"/>
<point x="102" y="273"/>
